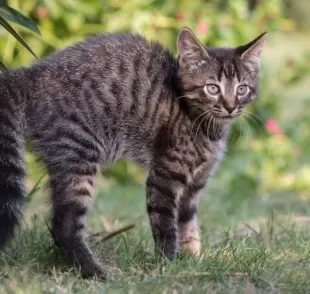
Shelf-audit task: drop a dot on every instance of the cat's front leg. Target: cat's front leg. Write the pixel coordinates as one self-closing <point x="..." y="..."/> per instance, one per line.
<point x="162" y="202"/>
<point x="188" y="224"/>
<point x="187" y="217"/>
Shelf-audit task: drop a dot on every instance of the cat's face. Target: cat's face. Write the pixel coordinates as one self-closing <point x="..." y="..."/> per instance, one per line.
<point x="218" y="81"/>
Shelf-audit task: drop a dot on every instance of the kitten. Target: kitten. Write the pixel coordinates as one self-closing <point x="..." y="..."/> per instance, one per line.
<point x="118" y="96"/>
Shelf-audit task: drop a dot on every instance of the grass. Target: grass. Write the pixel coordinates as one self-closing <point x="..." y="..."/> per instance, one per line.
<point x="251" y="245"/>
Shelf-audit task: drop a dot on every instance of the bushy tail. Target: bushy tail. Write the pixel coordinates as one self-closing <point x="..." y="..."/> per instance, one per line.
<point x="12" y="190"/>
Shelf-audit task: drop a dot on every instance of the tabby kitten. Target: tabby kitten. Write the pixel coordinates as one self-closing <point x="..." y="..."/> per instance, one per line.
<point x="118" y="96"/>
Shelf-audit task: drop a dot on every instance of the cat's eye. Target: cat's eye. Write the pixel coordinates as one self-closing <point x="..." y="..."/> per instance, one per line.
<point x="242" y="90"/>
<point x="212" y="89"/>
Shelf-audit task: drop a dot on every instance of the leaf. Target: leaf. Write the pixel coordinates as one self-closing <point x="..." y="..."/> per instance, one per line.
<point x="15" y="16"/>
<point x="3" y="68"/>
<point x="8" y="27"/>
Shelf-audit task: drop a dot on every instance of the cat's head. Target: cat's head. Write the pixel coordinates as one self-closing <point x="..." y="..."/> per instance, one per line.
<point x="218" y="81"/>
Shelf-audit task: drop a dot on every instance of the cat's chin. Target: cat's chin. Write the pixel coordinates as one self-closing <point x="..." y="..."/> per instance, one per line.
<point x="224" y="120"/>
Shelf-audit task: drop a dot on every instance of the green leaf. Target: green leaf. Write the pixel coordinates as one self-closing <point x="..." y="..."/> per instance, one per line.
<point x="3" y="68"/>
<point x="15" y="16"/>
<point x="8" y="27"/>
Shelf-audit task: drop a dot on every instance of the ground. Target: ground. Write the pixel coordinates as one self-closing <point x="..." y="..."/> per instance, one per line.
<point x="250" y="246"/>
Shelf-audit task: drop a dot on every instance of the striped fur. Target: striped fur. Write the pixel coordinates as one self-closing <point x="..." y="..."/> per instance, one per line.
<point x="118" y="96"/>
<point x="12" y="105"/>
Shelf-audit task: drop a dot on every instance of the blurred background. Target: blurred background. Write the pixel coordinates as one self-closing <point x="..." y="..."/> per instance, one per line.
<point x="269" y="148"/>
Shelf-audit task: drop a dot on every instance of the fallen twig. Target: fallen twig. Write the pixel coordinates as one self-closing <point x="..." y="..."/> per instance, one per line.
<point x="259" y="235"/>
<point x="112" y="234"/>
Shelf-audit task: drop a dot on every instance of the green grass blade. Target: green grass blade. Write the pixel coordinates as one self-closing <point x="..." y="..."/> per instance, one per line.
<point x="35" y="189"/>
<point x="15" y="16"/>
<point x="3" y="68"/>
<point x="8" y="27"/>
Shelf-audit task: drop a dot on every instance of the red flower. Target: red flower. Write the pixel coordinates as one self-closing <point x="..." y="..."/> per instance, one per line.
<point x="202" y="28"/>
<point x="272" y="127"/>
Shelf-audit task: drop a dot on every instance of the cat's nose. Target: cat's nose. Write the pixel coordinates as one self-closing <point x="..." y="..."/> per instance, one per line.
<point x="230" y="109"/>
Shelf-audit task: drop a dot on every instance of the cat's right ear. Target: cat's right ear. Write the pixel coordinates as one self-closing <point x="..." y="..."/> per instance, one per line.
<point x="191" y="52"/>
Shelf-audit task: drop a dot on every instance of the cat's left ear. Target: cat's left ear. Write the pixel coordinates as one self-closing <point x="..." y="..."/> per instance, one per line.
<point x="251" y="52"/>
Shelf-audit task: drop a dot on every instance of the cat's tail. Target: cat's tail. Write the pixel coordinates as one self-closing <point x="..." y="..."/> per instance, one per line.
<point x="12" y="190"/>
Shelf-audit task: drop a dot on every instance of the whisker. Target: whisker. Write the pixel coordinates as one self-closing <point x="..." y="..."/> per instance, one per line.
<point x="207" y="115"/>
<point x="255" y="123"/>
<point x="215" y="128"/>
<point x="242" y="128"/>
<point x="237" y="124"/>
<point x="254" y="116"/>
<point x="247" y="128"/>
<point x="219" y="127"/>
<point x="204" y="113"/>
<point x="209" y="123"/>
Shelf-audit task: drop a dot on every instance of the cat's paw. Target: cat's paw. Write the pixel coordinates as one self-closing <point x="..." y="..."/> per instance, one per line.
<point x="96" y="271"/>
<point x="191" y="246"/>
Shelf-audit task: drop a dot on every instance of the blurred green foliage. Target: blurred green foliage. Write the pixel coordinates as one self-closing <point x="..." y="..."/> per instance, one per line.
<point x="9" y="14"/>
<point x="267" y="153"/>
<point x="216" y="22"/>
<point x="299" y="11"/>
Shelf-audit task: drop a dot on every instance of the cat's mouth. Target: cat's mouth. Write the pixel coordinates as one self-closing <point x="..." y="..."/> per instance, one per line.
<point x="224" y="116"/>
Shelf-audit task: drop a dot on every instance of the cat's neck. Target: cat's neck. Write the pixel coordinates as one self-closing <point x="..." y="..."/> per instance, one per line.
<point x="205" y="125"/>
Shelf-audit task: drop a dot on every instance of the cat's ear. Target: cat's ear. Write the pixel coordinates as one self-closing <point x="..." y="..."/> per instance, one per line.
<point x="251" y="52"/>
<point x="191" y="52"/>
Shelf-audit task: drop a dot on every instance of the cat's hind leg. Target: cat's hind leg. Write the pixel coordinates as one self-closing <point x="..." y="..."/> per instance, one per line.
<point x="72" y="162"/>
<point x="72" y="194"/>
